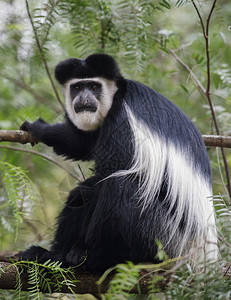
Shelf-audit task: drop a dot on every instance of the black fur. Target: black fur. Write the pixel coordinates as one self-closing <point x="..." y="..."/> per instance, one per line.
<point x="96" y="65"/>
<point x="101" y="219"/>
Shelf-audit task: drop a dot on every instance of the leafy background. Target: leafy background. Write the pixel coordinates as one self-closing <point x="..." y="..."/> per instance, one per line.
<point x="139" y="35"/>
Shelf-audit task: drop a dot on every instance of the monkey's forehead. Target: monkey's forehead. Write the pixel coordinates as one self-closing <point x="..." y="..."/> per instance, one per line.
<point x="76" y="80"/>
<point x="99" y="80"/>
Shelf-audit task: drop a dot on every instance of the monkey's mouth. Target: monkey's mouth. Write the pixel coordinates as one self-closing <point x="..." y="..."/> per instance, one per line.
<point x="85" y="108"/>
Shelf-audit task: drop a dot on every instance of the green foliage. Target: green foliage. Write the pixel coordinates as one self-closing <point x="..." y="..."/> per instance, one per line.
<point x="49" y="277"/>
<point x="125" y="279"/>
<point x="166" y="4"/>
<point x="44" y="19"/>
<point x="134" y="33"/>
<point x="19" y="191"/>
<point x="223" y="211"/>
<point x="181" y="282"/>
<point x="161" y="254"/>
<point x="129" y="31"/>
<point x="222" y="208"/>
<point x="105" y="26"/>
<point x="128" y="276"/>
<point x="207" y="285"/>
<point x="91" y="24"/>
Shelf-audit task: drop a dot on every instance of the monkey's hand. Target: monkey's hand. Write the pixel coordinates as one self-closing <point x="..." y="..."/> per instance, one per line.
<point x="65" y="138"/>
<point x="36" y="129"/>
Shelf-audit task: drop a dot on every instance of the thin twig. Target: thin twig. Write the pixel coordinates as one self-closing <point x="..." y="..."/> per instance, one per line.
<point x="207" y="92"/>
<point x="21" y="83"/>
<point x="206" y="36"/>
<point x="199" y="15"/>
<point x="182" y="47"/>
<point x="34" y="229"/>
<point x="44" y="156"/>
<point x="81" y="171"/>
<point x="42" y="55"/>
<point x="172" y="52"/>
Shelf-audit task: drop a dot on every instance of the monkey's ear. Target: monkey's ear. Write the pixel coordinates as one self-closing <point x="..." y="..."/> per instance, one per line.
<point x="65" y="70"/>
<point x="103" y="65"/>
<point x="95" y="65"/>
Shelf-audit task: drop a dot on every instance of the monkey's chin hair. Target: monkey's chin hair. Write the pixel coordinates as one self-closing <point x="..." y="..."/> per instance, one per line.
<point x="87" y="120"/>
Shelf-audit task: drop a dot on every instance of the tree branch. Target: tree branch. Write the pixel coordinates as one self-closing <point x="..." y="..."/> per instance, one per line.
<point x="17" y="136"/>
<point x="217" y="141"/>
<point x="89" y="282"/>
<point x="23" y="137"/>
<point x="86" y="282"/>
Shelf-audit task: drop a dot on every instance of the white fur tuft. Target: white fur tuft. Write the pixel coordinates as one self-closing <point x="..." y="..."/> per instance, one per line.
<point x="86" y="120"/>
<point x="188" y="192"/>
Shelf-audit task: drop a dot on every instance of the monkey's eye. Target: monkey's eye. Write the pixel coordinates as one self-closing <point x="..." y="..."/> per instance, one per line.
<point x="77" y="88"/>
<point x="95" y="88"/>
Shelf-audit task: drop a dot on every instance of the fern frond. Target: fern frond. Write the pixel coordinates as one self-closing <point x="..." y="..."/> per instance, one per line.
<point x="34" y="281"/>
<point x="107" y="26"/>
<point x="91" y="23"/>
<point x="126" y="278"/>
<point x="49" y="277"/>
<point x="134" y="33"/>
<point x="224" y="73"/>
<point x="44" y="19"/>
<point x="20" y="191"/>
<point x="18" y="286"/>
<point x="180" y="3"/>
<point x="221" y="208"/>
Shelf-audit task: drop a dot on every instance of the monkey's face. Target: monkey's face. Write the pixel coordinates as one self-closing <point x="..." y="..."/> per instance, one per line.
<point x="85" y="95"/>
<point x="88" y="101"/>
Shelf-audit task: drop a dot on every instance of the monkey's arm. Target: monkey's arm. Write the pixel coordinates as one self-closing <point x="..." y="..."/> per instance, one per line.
<point x="65" y="139"/>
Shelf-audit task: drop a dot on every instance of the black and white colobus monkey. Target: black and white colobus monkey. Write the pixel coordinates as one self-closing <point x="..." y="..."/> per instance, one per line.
<point x="152" y="173"/>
